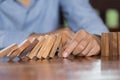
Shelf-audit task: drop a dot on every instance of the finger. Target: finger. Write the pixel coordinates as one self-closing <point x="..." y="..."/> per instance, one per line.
<point x="88" y="48"/>
<point x="82" y="45"/>
<point x="94" y="51"/>
<point x="74" y="42"/>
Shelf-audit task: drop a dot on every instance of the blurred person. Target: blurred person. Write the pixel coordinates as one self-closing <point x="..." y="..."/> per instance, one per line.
<point x="22" y="18"/>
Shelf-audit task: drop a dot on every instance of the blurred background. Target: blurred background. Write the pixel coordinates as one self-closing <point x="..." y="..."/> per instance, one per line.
<point x="109" y="11"/>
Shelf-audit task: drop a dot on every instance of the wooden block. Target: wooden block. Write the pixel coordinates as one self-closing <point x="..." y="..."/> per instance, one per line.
<point x="6" y="57"/>
<point x="23" y="55"/>
<point x="56" y="45"/>
<point x="62" y="44"/>
<point x="24" y="45"/>
<point x="105" y="44"/>
<point x="18" y="51"/>
<point x="119" y="43"/>
<point x="35" y="50"/>
<point x="113" y="44"/>
<point x="102" y="44"/>
<point x="13" y="54"/>
<point x="111" y="47"/>
<point x="7" y="50"/>
<point x="60" y="49"/>
<point x="47" y="46"/>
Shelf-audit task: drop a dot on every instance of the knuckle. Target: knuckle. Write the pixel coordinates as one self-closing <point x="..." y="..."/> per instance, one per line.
<point x="82" y="32"/>
<point x="76" y="41"/>
<point x="90" y="36"/>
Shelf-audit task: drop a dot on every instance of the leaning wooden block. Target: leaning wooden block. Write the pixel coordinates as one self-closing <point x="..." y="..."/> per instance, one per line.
<point x="22" y="46"/>
<point x="56" y="45"/>
<point x="35" y="50"/>
<point x="49" y="45"/>
<point x="23" y="55"/>
<point x="6" y="58"/>
<point x="45" y="49"/>
<point x="62" y="44"/>
<point x="105" y="44"/>
<point x="7" y="50"/>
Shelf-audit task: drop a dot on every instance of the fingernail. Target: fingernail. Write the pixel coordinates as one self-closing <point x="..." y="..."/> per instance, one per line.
<point x="65" y="54"/>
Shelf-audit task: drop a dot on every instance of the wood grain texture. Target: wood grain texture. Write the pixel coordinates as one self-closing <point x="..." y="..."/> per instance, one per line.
<point x="18" y="51"/>
<point x="102" y="44"/>
<point x="47" y="46"/>
<point x="113" y="44"/>
<point x="23" y="55"/>
<point x="62" y="44"/>
<point x="119" y="43"/>
<point x="7" y="50"/>
<point x="56" y="45"/>
<point x="35" y="50"/>
<point x="105" y="44"/>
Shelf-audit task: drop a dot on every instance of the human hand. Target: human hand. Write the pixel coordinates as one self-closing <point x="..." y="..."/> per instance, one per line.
<point x="84" y="44"/>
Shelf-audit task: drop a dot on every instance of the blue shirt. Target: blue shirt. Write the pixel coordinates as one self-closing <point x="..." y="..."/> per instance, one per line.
<point x="17" y="21"/>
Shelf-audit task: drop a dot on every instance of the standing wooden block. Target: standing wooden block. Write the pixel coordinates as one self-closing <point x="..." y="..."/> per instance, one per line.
<point x="23" y="55"/>
<point x="7" y="50"/>
<point x="119" y="43"/>
<point x="56" y="45"/>
<point x="105" y="44"/>
<point x="113" y="44"/>
<point x="47" y="46"/>
<point x="35" y="50"/>
<point x="22" y="46"/>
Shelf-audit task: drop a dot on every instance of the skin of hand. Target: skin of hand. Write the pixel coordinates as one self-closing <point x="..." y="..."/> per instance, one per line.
<point x="83" y="44"/>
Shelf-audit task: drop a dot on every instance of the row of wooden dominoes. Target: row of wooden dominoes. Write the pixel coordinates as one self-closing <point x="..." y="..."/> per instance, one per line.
<point x="44" y="46"/>
<point x="110" y="44"/>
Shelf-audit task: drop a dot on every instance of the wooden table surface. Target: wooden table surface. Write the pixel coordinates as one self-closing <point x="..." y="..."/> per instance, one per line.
<point x="72" y="68"/>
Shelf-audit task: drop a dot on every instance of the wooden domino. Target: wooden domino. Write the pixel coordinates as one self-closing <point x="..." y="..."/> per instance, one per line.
<point x="23" y="55"/>
<point x="105" y="44"/>
<point x="62" y="44"/>
<point x="55" y="46"/>
<point x="18" y="51"/>
<point x="44" y="46"/>
<point x="119" y="43"/>
<point x="7" y="50"/>
<point x="113" y="44"/>
<point x="47" y="46"/>
<point x="35" y="50"/>
<point x="110" y="44"/>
